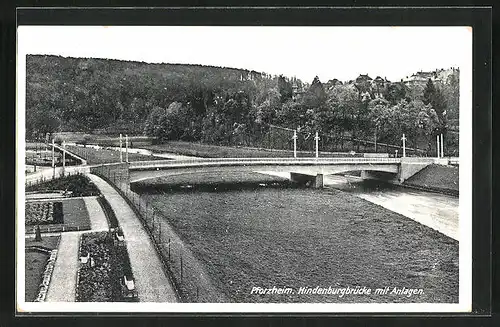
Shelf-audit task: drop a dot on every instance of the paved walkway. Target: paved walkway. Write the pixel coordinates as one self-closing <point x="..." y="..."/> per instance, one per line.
<point x="62" y="287"/>
<point x="98" y="221"/>
<point x="151" y="282"/>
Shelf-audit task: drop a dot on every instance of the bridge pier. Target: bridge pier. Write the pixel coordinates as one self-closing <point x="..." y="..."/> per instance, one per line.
<point x="308" y="180"/>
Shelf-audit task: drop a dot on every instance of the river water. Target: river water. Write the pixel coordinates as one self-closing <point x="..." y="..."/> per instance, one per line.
<point x="437" y="211"/>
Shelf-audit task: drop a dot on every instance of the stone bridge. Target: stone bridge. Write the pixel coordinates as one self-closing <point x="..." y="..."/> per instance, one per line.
<point x="301" y="169"/>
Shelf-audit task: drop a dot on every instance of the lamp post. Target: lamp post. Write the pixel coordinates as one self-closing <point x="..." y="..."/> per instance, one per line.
<point x="295" y="143"/>
<point x="404" y="145"/>
<point x="126" y="148"/>
<point x="316" y="138"/>
<point x="442" y="146"/>
<point x="437" y="146"/>
<point x="64" y="157"/>
<point x="53" y="160"/>
<point x="121" y="155"/>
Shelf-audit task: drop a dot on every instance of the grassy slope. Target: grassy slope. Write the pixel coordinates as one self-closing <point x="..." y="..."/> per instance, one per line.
<point x="294" y="238"/>
<point x="436" y="177"/>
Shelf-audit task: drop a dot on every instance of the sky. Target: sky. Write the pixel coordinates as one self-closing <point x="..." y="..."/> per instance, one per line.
<point x="303" y="52"/>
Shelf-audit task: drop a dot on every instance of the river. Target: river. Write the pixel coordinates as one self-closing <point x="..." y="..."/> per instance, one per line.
<point x="437" y="211"/>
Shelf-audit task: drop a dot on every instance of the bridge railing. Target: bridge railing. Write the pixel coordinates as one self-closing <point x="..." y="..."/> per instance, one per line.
<point x="256" y="161"/>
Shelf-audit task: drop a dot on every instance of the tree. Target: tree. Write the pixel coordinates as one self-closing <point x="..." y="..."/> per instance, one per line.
<point x="285" y="89"/>
<point x="451" y="93"/>
<point x="315" y="96"/>
<point x="434" y="97"/>
<point x="380" y="116"/>
<point x="395" y="92"/>
<point x="166" y="124"/>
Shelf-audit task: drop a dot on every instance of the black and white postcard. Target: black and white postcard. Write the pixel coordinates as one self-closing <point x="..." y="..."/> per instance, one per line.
<point x="244" y="169"/>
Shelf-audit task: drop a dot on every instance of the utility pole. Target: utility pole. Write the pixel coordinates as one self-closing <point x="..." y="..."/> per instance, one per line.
<point x="442" y="146"/>
<point x="295" y="143"/>
<point x="126" y="148"/>
<point x="121" y="155"/>
<point x="316" y="138"/>
<point x="404" y="145"/>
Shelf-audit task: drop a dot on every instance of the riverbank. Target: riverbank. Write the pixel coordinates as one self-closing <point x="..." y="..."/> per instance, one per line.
<point x="297" y="237"/>
<point x="436" y="178"/>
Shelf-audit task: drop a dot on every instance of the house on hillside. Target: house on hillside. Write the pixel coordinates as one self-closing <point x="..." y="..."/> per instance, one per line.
<point x="379" y="85"/>
<point x="362" y="78"/>
<point x="363" y="83"/>
<point x="436" y="76"/>
<point x="331" y="84"/>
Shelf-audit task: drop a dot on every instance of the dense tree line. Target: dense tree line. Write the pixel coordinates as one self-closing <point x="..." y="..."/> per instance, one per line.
<point x="228" y="106"/>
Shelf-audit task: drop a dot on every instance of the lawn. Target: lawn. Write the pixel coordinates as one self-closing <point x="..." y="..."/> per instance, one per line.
<point x="35" y="262"/>
<point x="306" y="238"/>
<point x="214" y="151"/>
<point x="76" y="214"/>
<point x="42" y="157"/>
<point x="101" y="156"/>
<point x="101" y="139"/>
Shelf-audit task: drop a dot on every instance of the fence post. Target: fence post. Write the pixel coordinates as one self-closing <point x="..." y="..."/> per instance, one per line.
<point x="181" y="266"/>
<point x="154" y="216"/>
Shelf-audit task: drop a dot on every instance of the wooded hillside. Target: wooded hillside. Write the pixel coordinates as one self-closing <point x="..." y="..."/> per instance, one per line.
<point x="226" y="105"/>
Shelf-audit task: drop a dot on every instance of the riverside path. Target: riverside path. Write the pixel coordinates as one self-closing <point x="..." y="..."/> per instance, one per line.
<point x="151" y="282"/>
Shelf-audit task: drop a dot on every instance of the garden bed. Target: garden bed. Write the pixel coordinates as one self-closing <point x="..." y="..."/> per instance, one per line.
<point x="43" y="213"/>
<point x="99" y="280"/>
<point x="68" y="215"/>
<point x="79" y="185"/>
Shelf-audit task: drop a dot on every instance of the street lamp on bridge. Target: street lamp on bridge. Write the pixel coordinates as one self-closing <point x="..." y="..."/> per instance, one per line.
<point x="316" y="138"/>
<point x="404" y="145"/>
<point x="295" y="143"/>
